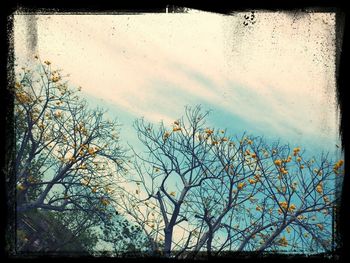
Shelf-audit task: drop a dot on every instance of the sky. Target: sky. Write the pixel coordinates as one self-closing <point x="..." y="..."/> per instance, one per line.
<point x="274" y="77"/>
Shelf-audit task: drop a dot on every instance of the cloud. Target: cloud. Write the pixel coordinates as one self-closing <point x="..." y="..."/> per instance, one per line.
<point x="276" y="74"/>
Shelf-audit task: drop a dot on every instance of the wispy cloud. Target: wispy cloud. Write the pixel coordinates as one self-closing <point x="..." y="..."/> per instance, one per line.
<point x="276" y="75"/>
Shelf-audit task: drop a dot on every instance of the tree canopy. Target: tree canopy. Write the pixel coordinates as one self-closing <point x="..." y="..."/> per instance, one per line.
<point x="230" y="193"/>
<point x="194" y="188"/>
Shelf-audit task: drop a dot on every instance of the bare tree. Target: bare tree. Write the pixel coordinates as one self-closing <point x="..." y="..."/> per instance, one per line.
<point x="219" y="193"/>
<point x="68" y="157"/>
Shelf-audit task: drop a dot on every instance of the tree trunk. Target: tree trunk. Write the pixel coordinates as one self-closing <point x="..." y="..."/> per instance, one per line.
<point x="167" y="241"/>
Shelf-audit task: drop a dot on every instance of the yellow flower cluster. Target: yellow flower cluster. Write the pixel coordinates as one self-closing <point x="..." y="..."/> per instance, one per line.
<point x="82" y="166"/>
<point x="284" y="206"/>
<point x="337" y="166"/>
<point x="18" y="85"/>
<point x="320" y="226"/>
<point x="283" y="170"/>
<point x="288" y="229"/>
<point x="214" y="143"/>
<point x="291" y="208"/>
<point x="278" y="162"/>
<point x="32" y="179"/>
<point x="257" y="177"/>
<point x="319" y="188"/>
<point x="58" y="114"/>
<point x="177" y="126"/>
<point x="23" y="98"/>
<point x="251" y="181"/>
<point x="318" y="172"/>
<point x="104" y="201"/>
<point x="209" y="131"/>
<point x="288" y="159"/>
<point x="326" y="199"/>
<point x="283" y="242"/>
<point x="85" y="182"/>
<point x="166" y="135"/>
<point x="55" y="76"/>
<point x="296" y="151"/>
<point x="241" y="186"/>
<point x="21" y="187"/>
<point x="92" y="150"/>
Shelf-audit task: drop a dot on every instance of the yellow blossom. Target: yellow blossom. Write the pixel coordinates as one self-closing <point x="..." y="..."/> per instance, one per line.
<point x="241" y="185"/>
<point x="320" y="226"/>
<point x="166" y="135"/>
<point x="296" y="151"/>
<point x="55" y="78"/>
<point x="85" y="182"/>
<point x="257" y="177"/>
<point x="288" y="229"/>
<point x="251" y="181"/>
<point x="338" y="165"/>
<point x="104" y="201"/>
<point x="291" y="208"/>
<point x="209" y="131"/>
<point x="283" y="170"/>
<point x="20" y="187"/>
<point x="319" y="189"/>
<point x="283" y="242"/>
<point x="278" y="162"/>
<point x="283" y="204"/>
